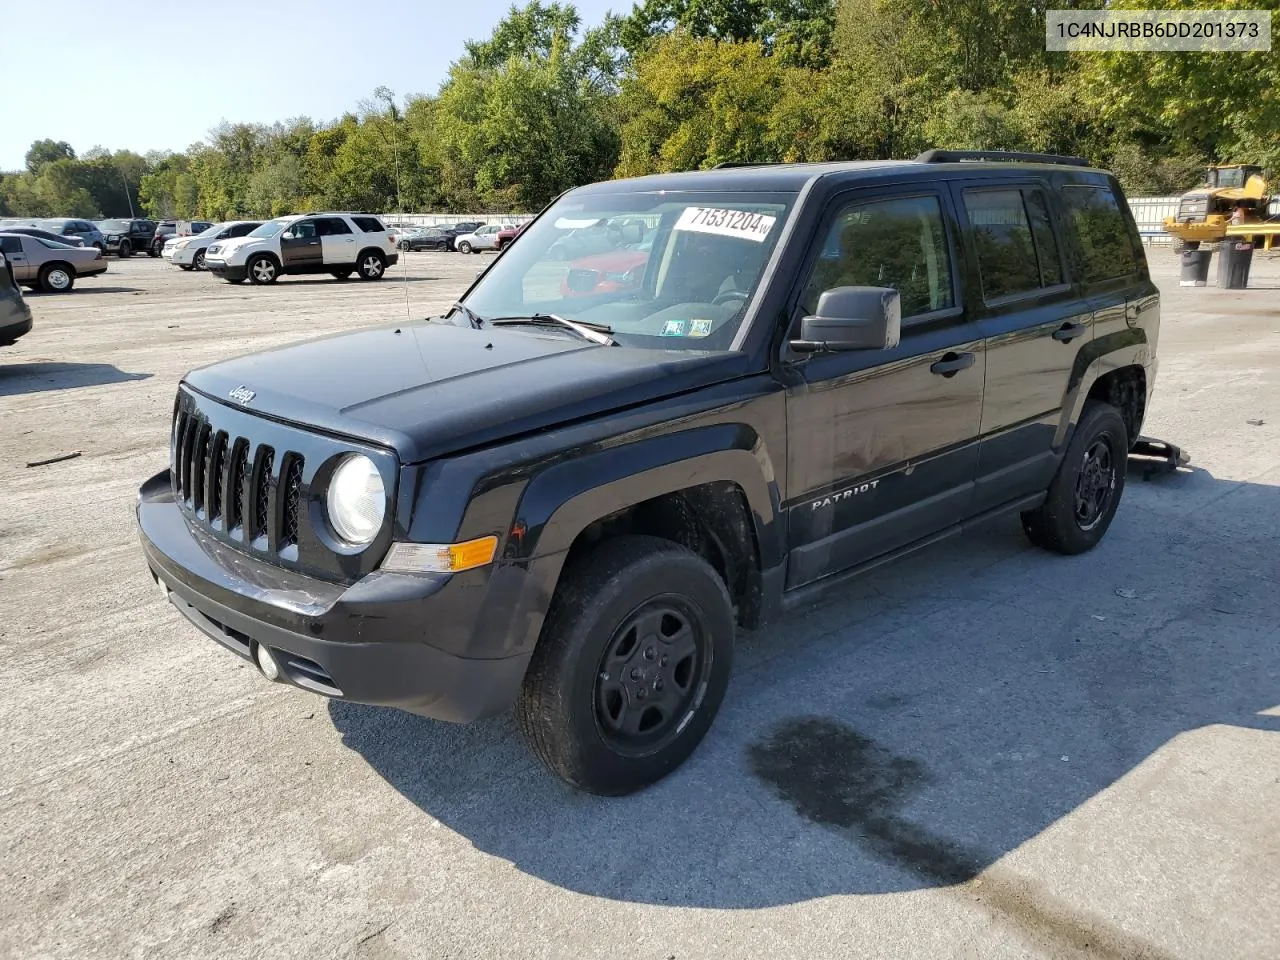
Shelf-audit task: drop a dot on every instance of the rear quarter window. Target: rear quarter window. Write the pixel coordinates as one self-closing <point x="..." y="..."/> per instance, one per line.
<point x="369" y="224"/>
<point x="1104" y="246"/>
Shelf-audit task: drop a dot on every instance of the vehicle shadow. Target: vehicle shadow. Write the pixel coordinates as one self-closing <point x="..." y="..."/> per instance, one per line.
<point x="19" y="378"/>
<point x="910" y="733"/>
<point x="79" y="288"/>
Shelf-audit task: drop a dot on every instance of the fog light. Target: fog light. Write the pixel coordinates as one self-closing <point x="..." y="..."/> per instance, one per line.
<point x="268" y="663"/>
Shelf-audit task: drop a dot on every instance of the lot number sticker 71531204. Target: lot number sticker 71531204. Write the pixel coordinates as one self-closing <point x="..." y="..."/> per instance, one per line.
<point x="727" y="223"/>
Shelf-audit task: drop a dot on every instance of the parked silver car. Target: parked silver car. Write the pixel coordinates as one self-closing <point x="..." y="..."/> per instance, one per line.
<point x="47" y="265"/>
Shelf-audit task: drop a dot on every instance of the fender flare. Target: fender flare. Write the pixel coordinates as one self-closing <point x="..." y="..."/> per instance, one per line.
<point x="1125" y="348"/>
<point x="563" y="500"/>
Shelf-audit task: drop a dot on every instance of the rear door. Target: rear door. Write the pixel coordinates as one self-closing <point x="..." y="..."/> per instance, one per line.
<point x="337" y="241"/>
<point x="300" y="248"/>
<point x="884" y="443"/>
<point x="1106" y="258"/>
<point x="19" y="262"/>
<point x="1035" y="323"/>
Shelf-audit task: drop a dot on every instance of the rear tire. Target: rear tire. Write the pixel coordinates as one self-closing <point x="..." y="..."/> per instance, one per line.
<point x="1086" y="490"/>
<point x="154" y="251"/>
<point x="262" y="269"/>
<point x="371" y="266"/>
<point x="185" y="267"/>
<point x="125" y="251"/>
<point x="631" y="667"/>
<point x="57" y="278"/>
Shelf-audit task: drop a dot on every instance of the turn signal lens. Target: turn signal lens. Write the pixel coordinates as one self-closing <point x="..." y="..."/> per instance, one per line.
<point x="440" y="557"/>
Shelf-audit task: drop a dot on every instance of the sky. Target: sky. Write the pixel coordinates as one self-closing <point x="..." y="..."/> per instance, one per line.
<point x="157" y="76"/>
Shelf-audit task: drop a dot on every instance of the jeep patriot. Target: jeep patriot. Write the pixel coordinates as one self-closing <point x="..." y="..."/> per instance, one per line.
<point x="563" y="495"/>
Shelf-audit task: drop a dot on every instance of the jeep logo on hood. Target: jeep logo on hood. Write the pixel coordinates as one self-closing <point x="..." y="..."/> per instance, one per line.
<point x="242" y="394"/>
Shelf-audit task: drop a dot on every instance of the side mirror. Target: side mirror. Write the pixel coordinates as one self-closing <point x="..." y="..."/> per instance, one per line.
<point x="287" y="235"/>
<point x="852" y="318"/>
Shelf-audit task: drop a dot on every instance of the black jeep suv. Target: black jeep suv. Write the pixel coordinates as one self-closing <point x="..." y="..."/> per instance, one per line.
<point x="567" y="500"/>
<point x="124" y="238"/>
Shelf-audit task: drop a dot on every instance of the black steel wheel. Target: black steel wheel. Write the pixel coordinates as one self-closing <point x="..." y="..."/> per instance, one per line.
<point x="125" y="250"/>
<point x="631" y="666"/>
<point x="1085" y="493"/>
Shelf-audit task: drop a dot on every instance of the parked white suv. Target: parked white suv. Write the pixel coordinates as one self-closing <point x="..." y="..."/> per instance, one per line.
<point x="485" y="238"/>
<point x="336" y="243"/>
<point x="189" y="252"/>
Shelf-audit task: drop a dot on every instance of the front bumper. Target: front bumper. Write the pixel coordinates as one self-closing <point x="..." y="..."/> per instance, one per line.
<point x="220" y="268"/>
<point x="365" y="642"/>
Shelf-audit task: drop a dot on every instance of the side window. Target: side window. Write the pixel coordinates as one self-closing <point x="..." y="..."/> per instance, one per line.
<point x="304" y="229"/>
<point x="1102" y="234"/>
<point x="899" y="243"/>
<point x="1046" y="242"/>
<point x="369" y="224"/>
<point x="239" y="230"/>
<point x="1002" y="237"/>
<point x="10" y="245"/>
<point x="332" y="227"/>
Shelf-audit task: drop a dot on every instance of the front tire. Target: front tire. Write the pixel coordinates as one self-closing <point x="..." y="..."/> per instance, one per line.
<point x="1086" y="490"/>
<point x="631" y="667"/>
<point x="371" y="265"/>
<point x="125" y="251"/>
<point x="57" y="278"/>
<point x="340" y="274"/>
<point x="197" y="262"/>
<point x="464" y="247"/>
<point x="262" y="269"/>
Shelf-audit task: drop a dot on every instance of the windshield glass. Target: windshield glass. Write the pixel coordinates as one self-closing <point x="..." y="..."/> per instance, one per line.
<point x="268" y="229"/>
<point x="673" y="271"/>
<point x="117" y="226"/>
<point x="211" y="231"/>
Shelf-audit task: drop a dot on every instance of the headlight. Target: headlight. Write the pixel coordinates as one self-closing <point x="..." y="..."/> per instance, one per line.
<point x="357" y="500"/>
<point x="215" y="248"/>
<point x="114" y="236"/>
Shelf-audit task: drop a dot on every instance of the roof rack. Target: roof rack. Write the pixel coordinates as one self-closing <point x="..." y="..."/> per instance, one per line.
<point x="743" y="163"/>
<point x="999" y="156"/>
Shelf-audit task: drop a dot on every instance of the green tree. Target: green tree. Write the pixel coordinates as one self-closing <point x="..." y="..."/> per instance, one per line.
<point x="43" y="152"/>
<point x="798" y="30"/>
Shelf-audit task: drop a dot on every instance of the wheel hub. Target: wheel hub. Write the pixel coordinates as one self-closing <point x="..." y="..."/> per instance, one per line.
<point x="649" y="675"/>
<point x="1094" y="484"/>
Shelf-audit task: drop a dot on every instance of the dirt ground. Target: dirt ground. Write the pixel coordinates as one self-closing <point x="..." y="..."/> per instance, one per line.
<point x="1005" y="754"/>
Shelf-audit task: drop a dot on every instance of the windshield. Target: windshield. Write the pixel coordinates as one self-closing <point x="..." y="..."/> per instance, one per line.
<point x="268" y="229"/>
<point x="211" y="231"/>
<point x="113" y="225"/>
<point x="660" y="270"/>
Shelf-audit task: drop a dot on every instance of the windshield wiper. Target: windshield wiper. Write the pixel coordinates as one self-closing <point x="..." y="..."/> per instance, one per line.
<point x="594" y="332"/>
<point x="473" y="318"/>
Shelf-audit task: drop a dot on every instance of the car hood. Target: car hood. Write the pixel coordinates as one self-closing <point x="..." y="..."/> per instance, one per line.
<point x="430" y="389"/>
<point x="232" y="244"/>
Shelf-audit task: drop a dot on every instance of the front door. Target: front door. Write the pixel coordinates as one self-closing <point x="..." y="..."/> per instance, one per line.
<point x="1036" y="325"/>
<point x="337" y="242"/>
<point x="300" y="247"/>
<point x="19" y="263"/>
<point x="883" y="443"/>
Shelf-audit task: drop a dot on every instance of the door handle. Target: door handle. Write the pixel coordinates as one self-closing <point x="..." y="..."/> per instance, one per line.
<point x="351" y="239"/>
<point x="1069" y="331"/>
<point x="952" y="363"/>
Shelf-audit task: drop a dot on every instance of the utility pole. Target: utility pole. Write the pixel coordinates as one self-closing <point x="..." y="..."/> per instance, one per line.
<point x="127" y="197"/>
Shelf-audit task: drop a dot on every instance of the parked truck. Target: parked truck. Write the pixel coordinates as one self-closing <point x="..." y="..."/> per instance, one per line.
<point x="1204" y="214"/>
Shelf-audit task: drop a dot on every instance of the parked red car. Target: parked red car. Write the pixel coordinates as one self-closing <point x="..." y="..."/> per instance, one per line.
<point x="507" y="234"/>
<point x="605" y="272"/>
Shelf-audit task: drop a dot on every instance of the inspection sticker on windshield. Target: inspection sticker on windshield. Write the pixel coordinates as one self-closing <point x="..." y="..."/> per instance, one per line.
<point x="727" y="223"/>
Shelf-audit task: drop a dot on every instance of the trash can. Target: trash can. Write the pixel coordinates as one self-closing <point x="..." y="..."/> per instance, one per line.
<point x="1195" y="268"/>
<point x="1234" y="258"/>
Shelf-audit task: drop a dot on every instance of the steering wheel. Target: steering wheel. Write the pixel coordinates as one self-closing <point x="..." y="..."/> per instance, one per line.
<point x="726" y="296"/>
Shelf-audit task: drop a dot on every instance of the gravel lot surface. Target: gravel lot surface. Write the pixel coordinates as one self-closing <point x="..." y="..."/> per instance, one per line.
<point x="990" y="752"/>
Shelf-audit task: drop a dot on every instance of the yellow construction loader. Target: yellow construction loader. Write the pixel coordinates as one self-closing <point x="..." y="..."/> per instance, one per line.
<point x="1204" y="214"/>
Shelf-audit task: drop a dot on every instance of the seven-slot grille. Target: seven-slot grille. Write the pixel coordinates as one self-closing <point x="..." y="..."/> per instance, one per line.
<point x="228" y="484"/>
